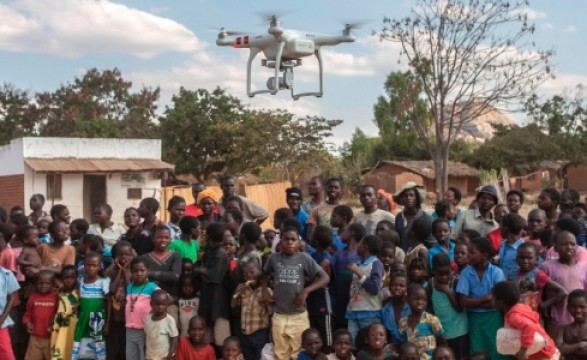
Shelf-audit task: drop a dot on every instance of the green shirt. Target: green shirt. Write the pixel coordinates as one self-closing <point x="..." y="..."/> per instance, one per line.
<point x="187" y="251"/>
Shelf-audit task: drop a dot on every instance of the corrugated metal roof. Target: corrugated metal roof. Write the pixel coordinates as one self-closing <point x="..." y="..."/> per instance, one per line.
<point x="79" y="165"/>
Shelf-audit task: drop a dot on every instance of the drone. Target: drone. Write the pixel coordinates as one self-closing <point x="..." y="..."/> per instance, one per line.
<point x="283" y="50"/>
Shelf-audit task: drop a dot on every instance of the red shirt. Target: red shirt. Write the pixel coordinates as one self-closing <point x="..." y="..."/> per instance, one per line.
<point x="194" y="210"/>
<point x="40" y="310"/>
<point x="521" y="317"/>
<point x="186" y="351"/>
<point x="495" y="237"/>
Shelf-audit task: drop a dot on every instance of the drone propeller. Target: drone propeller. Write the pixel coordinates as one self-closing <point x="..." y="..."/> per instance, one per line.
<point x="224" y="32"/>
<point x="354" y="24"/>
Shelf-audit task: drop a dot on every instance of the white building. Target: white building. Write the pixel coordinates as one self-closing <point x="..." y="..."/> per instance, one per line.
<point x="81" y="173"/>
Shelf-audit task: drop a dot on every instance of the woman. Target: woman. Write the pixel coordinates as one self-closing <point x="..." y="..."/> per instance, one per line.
<point x="411" y="196"/>
<point x="207" y="202"/>
<point x="104" y="227"/>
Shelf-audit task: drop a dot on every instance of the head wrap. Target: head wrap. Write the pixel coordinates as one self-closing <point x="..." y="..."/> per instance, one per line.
<point x="389" y="198"/>
<point x="207" y="193"/>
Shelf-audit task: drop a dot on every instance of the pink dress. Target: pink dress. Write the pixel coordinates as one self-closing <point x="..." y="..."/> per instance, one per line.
<point x="570" y="278"/>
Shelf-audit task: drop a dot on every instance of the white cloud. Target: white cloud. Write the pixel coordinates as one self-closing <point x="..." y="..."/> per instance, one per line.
<point x="72" y="28"/>
<point x="570" y="28"/>
<point x="561" y="84"/>
<point x="531" y="13"/>
<point x="547" y="26"/>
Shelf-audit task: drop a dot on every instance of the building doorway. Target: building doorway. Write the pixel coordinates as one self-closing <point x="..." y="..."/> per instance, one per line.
<point x="94" y="194"/>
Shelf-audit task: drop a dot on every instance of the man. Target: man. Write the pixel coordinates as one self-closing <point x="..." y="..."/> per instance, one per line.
<point x="569" y="198"/>
<point x="411" y="196"/>
<point x="252" y="212"/>
<point x="371" y="214"/>
<point x="193" y="209"/>
<point x="514" y="200"/>
<point x="480" y="219"/>
<point x="321" y="214"/>
<point x="316" y="192"/>
<point x="294" y="202"/>
<point x="36" y="204"/>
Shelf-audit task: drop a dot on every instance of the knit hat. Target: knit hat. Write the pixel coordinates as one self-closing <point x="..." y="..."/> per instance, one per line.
<point x="420" y="192"/>
<point x="488" y="189"/>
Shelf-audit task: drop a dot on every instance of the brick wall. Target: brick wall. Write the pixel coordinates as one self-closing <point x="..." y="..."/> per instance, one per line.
<point x="12" y="191"/>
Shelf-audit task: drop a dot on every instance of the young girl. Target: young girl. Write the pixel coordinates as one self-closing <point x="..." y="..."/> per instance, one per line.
<point x="474" y="292"/>
<point x="66" y="318"/>
<point x="188" y="303"/>
<point x="194" y="346"/>
<point x="119" y="274"/>
<point x="312" y="344"/>
<point x="375" y="347"/>
<point x="138" y="306"/>
<point x="572" y="339"/>
<point x="343" y="344"/>
<point x="160" y="329"/>
<point x="396" y="307"/>
<point x="447" y="308"/>
<point x="89" y="340"/>
<point x="441" y="232"/>
<point x="164" y="265"/>
<point x="187" y="244"/>
<point x="418" y="272"/>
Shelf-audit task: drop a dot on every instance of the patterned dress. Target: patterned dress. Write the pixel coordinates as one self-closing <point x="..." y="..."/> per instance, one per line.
<point x="64" y="326"/>
<point x="89" y="342"/>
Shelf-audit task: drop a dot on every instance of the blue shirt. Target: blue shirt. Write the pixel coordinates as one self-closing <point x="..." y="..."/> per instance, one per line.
<point x="8" y="285"/>
<point x="340" y="245"/>
<point x="342" y="280"/>
<point x="438" y="248"/>
<point x="507" y="257"/>
<point x="303" y="217"/>
<point x="471" y="286"/>
<point x="391" y="323"/>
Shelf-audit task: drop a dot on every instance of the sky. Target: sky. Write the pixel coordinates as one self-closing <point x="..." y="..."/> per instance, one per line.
<point x="169" y="44"/>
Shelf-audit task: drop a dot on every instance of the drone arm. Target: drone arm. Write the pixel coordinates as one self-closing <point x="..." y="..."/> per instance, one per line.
<point x="252" y="55"/>
<point x="318" y="55"/>
<point x="277" y="68"/>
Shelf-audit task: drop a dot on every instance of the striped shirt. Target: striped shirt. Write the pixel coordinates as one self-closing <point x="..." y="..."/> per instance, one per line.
<point x="138" y="304"/>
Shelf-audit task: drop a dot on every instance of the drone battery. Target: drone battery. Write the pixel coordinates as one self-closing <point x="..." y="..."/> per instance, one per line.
<point x="297" y="48"/>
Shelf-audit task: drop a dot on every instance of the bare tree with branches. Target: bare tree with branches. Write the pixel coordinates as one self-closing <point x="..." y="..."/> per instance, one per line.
<point x="471" y="57"/>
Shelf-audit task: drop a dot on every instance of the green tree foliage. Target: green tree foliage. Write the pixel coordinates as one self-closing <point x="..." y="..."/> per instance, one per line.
<point x="468" y="57"/>
<point x="15" y="119"/>
<point x="208" y="132"/>
<point x="99" y="104"/>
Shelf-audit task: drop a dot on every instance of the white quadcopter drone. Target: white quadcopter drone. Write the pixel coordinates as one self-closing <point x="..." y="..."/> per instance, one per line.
<point x="283" y="50"/>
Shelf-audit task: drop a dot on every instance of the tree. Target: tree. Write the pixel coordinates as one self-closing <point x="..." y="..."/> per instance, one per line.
<point x="15" y="121"/>
<point x="469" y="57"/>
<point x="100" y="104"/>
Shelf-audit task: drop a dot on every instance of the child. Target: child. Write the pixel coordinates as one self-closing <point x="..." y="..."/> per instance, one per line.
<point x="8" y="295"/>
<point x="445" y="210"/>
<point x="137" y="307"/>
<point x="120" y="275"/>
<point x="342" y="216"/>
<point x="255" y="316"/>
<point x="187" y="267"/>
<point x="511" y="226"/>
<point x="187" y="244"/>
<point x="342" y="275"/>
<point x="7" y="256"/>
<point x="247" y="252"/>
<point x="441" y="232"/>
<point x="188" y="303"/>
<point x="376" y="344"/>
<point x="232" y="220"/>
<point x="408" y="351"/>
<point x="447" y="308"/>
<point x="290" y="297"/>
<point x="474" y="292"/>
<point x="387" y="257"/>
<point x="312" y="344"/>
<point x="43" y="227"/>
<point x="320" y="309"/>
<point x="231" y="349"/>
<point x="420" y="327"/>
<point x="63" y="328"/>
<point x="461" y="257"/>
<point x="87" y="244"/>
<point x="396" y="306"/>
<point x="397" y="267"/>
<point x="29" y="260"/>
<point x="194" y="346"/>
<point x="38" y="317"/>
<point x="140" y="238"/>
<point x="529" y="274"/>
<point x="343" y="344"/>
<point x="466" y="235"/>
<point x="213" y="274"/>
<point x="418" y="272"/>
<point x="89" y="340"/>
<point x="230" y="247"/>
<point x="419" y="233"/>
<point x="364" y="307"/>
<point x="497" y="236"/>
<point x="57" y="254"/>
<point x="565" y="271"/>
<point x="506" y="298"/>
<point x="176" y="207"/>
<point x="572" y="339"/>
<point x="160" y="329"/>
<point x="390" y="235"/>
<point x="444" y="353"/>
<point x="77" y="229"/>
<point x="536" y="224"/>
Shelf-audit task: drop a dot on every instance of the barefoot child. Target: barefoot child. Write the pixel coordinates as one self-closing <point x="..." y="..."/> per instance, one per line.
<point x="194" y="346"/>
<point x="160" y="329"/>
<point x="66" y="317"/>
<point x="38" y="317"/>
<point x="343" y="345"/>
<point x="572" y="339"/>
<point x="312" y="344"/>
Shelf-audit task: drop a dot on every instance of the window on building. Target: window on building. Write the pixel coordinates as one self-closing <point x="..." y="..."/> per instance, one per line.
<point x="134" y="193"/>
<point x="54" y="186"/>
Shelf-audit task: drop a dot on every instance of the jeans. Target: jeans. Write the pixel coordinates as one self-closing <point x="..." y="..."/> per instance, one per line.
<point x="357" y="324"/>
<point x="253" y="344"/>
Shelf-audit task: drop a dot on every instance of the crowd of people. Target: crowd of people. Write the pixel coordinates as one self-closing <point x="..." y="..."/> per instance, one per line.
<point x="327" y="282"/>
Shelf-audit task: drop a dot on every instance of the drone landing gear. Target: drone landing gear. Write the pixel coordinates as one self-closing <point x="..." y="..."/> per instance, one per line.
<point x="276" y="83"/>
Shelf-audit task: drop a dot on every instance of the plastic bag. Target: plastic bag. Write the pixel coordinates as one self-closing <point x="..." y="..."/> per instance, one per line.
<point x="509" y="342"/>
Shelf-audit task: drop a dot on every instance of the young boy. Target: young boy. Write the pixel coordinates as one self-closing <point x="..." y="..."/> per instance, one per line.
<point x="506" y="298"/>
<point x="291" y="271"/>
<point x="160" y="328"/>
<point x="320" y="302"/>
<point x="231" y="349"/>
<point x="343" y="344"/>
<point x="572" y="339"/>
<point x="255" y="317"/>
<point x="312" y="344"/>
<point x="364" y="307"/>
<point x="387" y="258"/>
<point x="38" y="317"/>
<point x="387" y="233"/>
<point x="194" y="346"/>
<point x="420" y="327"/>
<point x="511" y="226"/>
<point x="536" y="225"/>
